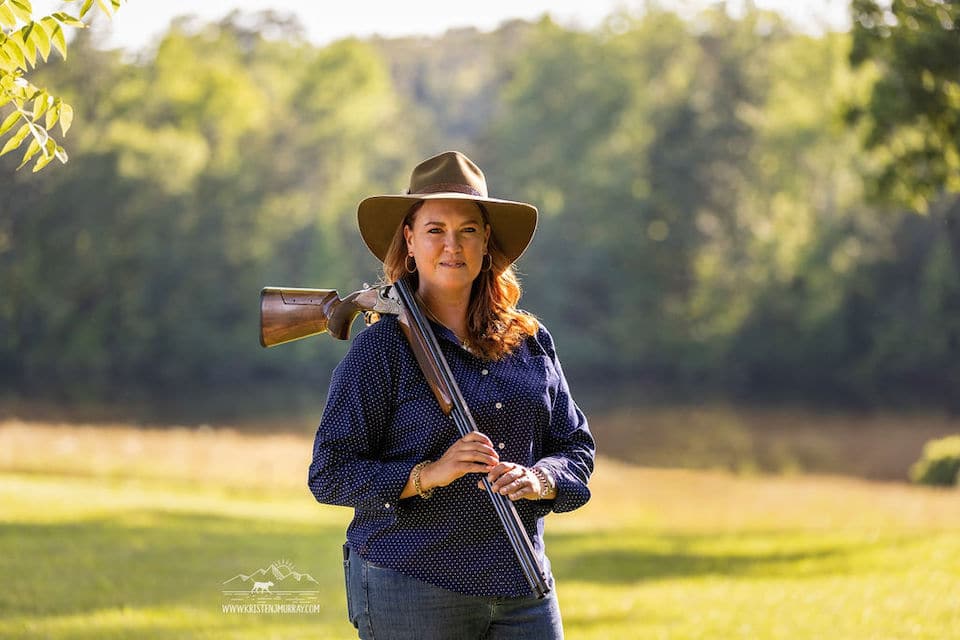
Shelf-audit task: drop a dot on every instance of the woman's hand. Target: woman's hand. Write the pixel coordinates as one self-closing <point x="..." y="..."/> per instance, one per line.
<point x="473" y="453"/>
<point x="514" y="481"/>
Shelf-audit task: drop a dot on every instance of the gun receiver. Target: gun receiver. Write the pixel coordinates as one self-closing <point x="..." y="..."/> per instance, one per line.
<point x="288" y="314"/>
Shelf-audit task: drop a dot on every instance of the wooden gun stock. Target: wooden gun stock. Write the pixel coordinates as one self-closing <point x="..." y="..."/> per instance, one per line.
<point x="291" y="314"/>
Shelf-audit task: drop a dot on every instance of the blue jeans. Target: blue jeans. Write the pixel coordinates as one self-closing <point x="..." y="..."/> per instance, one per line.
<point x="386" y="605"/>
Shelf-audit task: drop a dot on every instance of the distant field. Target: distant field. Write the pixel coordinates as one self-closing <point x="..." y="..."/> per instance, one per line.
<point x="117" y="532"/>
<point x="877" y="445"/>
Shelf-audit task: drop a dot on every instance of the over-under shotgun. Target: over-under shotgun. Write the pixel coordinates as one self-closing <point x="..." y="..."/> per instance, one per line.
<point x="290" y="314"/>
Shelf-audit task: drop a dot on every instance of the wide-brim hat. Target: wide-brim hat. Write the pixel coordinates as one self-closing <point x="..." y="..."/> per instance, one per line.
<point x="448" y="176"/>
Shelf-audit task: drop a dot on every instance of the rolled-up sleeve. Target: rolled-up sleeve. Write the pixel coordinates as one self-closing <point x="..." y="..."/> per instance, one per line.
<point x="348" y="468"/>
<point x="569" y="446"/>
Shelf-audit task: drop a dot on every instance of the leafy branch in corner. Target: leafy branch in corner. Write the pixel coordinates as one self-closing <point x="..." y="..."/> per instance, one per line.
<point x="34" y="113"/>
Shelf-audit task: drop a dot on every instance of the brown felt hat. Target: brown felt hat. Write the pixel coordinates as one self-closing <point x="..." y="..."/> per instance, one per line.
<point x="448" y="176"/>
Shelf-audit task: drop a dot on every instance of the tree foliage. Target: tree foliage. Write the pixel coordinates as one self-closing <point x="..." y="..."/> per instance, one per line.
<point x="33" y="112"/>
<point x="913" y="115"/>
<point x="704" y="225"/>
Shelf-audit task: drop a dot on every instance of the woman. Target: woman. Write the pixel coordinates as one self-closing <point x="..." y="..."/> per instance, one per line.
<point x="426" y="556"/>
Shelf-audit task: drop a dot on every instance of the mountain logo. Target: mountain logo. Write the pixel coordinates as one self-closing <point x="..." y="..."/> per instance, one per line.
<point x="278" y="582"/>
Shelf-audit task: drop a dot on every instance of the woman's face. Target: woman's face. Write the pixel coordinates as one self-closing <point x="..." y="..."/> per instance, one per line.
<point x="448" y="239"/>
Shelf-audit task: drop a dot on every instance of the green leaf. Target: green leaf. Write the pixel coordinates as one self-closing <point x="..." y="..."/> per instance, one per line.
<point x="57" y="38"/>
<point x="7" y="17"/>
<point x="85" y="7"/>
<point x="60" y="41"/>
<point x="44" y="161"/>
<point x="22" y="9"/>
<point x="15" y="141"/>
<point x="13" y="48"/>
<point x="106" y="7"/>
<point x="40" y="105"/>
<point x="9" y="122"/>
<point x="32" y="150"/>
<point x="53" y="114"/>
<point x="69" y="20"/>
<point x="51" y="151"/>
<point x="42" y="39"/>
<point x="7" y="63"/>
<point x="66" y="117"/>
<point x="29" y="46"/>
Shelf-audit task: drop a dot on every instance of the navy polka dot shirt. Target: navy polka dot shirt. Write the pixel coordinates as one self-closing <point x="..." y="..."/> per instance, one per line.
<point x="381" y="419"/>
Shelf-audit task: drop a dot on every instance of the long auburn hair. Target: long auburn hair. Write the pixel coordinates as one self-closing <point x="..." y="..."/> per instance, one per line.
<point x="494" y="324"/>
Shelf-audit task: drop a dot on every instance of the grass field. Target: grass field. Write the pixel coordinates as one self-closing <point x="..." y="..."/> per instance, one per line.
<point x="117" y="532"/>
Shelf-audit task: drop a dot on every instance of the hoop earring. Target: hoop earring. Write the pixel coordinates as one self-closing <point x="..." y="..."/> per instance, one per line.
<point x="406" y="265"/>
<point x="487" y="260"/>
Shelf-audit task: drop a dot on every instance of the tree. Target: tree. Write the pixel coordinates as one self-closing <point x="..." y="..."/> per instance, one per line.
<point x="24" y="41"/>
<point x="138" y="263"/>
<point x="913" y="114"/>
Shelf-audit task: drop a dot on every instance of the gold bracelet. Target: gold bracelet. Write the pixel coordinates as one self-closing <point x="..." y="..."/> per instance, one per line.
<point x="416" y="480"/>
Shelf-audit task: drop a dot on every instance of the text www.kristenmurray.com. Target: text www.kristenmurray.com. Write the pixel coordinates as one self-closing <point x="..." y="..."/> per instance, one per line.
<point x="270" y="608"/>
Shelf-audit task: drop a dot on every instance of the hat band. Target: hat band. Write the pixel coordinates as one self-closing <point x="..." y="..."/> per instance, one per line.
<point x="449" y="187"/>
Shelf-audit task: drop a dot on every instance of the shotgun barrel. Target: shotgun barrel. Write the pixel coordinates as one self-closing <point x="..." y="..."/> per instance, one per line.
<point x="421" y="337"/>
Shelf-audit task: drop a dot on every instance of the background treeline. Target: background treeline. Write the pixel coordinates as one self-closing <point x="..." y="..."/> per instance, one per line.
<point x="707" y="223"/>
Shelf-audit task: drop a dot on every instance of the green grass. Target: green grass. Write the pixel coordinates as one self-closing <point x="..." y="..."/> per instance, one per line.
<point x="119" y="553"/>
<point x="101" y="558"/>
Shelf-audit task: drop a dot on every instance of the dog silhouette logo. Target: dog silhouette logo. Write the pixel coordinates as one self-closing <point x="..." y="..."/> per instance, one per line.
<point x="261" y="587"/>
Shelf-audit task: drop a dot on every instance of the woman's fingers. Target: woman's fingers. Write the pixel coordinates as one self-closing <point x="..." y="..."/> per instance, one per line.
<point x="473" y="453"/>
<point x="512" y="480"/>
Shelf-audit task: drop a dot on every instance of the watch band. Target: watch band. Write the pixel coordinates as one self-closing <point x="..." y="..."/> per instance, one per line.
<point x="546" y="482"/>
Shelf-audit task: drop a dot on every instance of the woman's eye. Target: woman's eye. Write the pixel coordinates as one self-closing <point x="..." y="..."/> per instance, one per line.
<point x="435" y="230"/>
<point x="469" y="229"/>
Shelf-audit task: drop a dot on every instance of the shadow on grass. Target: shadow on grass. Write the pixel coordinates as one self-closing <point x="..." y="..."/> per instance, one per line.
<point x="155" y="559"/>
<point x="150" y="573"/>
<point x="637" y="556"/>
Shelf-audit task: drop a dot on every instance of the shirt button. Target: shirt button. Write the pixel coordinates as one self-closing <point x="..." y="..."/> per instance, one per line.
<point x="386" y="505"/>
<point x="499" y="405"/>
<point x="501" y="445"/>
<point x="484" y="372"/>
